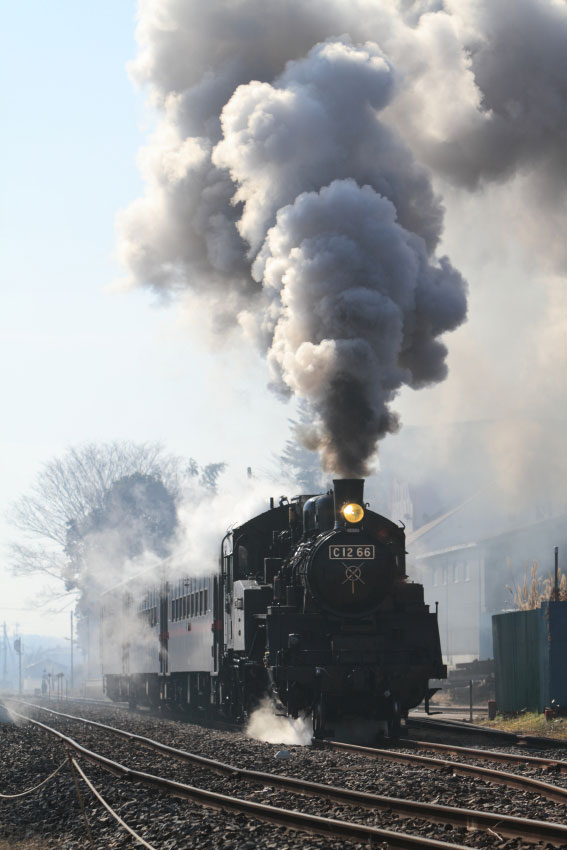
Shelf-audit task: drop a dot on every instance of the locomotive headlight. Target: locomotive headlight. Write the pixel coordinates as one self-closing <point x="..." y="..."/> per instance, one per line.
<point x="353" y="512"/>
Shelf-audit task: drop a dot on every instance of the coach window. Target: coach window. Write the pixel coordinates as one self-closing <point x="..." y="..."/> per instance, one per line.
<point x="206" y="597"/>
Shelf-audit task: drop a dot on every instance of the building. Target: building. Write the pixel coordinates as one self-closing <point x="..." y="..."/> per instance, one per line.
<point x="470" y="570"/>
<point x="481" y="501"/>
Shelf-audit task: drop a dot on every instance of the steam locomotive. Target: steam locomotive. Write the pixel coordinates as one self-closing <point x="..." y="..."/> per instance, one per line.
<point x="310" y="604"/>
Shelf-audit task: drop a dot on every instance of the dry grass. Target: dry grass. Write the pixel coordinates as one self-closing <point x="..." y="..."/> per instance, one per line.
<point x="536" y="589"/>
<point x="529" y="723"/>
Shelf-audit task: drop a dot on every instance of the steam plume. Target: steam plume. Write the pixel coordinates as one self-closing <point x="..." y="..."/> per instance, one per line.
<point x="266" y="725"/>
<point x="283" y="191"/>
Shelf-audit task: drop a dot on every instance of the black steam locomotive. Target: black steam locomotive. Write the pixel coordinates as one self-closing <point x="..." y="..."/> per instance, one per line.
<point x="311" y="604"/>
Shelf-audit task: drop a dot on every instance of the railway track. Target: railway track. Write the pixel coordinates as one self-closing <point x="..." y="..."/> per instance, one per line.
<point x="508" y="826"/>
<point x="499" y="777"/>
<point x="282" y="817"/>
<point x="553" y="765"/>
<point x="435" y="708"/>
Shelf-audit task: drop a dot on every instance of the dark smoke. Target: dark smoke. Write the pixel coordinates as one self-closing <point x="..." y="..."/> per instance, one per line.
<point x="357" y="313"/>
<point x="283" y="192"/>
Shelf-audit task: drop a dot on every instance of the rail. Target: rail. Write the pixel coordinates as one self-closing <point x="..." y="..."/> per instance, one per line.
<point x="490" y="755"/>
<point x="499" y="777"/>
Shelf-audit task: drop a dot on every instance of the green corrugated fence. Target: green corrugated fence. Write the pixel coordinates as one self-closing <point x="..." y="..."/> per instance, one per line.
<point x="530" y="657"/>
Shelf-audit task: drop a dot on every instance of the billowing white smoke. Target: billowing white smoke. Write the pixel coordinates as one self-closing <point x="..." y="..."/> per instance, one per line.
<point x="283" y="192"/>
<point x="486" y="100"/>
<point x="205" y="517"/>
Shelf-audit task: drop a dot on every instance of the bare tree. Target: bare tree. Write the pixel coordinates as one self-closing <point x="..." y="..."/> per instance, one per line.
<point x="138" y="516"/>
<point x="72" y="489"/>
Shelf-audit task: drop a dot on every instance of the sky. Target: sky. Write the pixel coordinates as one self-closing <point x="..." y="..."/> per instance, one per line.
<point x="79" y="363"/>
<point x="82" y="361"/>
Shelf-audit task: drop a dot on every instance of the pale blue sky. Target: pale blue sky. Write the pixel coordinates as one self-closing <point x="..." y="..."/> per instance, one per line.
<point x="77" y="363"/>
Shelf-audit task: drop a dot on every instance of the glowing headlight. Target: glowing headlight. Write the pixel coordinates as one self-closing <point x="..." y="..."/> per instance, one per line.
<point x="353" y="512"/>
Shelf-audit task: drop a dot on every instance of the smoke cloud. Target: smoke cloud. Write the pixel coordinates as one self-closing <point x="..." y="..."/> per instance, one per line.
<point x="285" y="192"/>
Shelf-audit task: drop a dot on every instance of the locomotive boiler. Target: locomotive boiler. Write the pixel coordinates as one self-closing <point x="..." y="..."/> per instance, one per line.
<point x="310" y="604"/>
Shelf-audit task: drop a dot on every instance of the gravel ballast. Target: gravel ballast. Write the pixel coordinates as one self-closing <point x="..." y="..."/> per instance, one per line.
<point x="52" y="814"/>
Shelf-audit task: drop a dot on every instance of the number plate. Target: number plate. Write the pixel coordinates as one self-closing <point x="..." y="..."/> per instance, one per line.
<point x="351" y="553"/>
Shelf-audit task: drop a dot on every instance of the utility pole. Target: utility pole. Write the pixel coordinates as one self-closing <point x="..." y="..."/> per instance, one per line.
<point x="18" y="649"/>
<point x="5" y="654"/>
<point x="72" y="683"/>
<point x="72" y="641"/>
